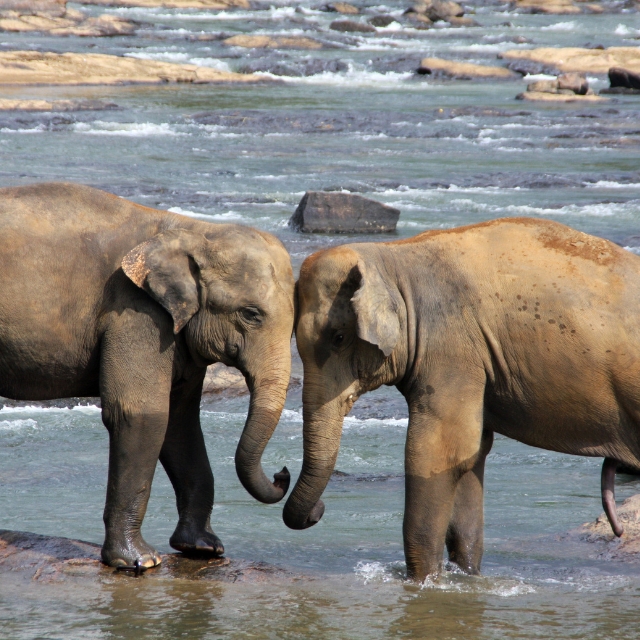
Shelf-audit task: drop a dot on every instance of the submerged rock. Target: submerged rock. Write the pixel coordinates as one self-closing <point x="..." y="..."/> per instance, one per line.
<point x="580" y="60"/>
<point x="350" y="26"/>
<point x="293" y="67"/>
<point x="33" y="68"/>
<point x="438" y="67"/>
<point x="272" y="42"/>
<point x="56" y="559"/>
<point x="332" y="212"/>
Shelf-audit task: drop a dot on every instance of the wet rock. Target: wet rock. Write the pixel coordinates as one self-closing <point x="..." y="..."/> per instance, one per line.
<point x="55" y="105"/>
<point x="223" y="379"/>
<point x="55" y="559"/>
<point x="330" y="212"/>
<point x="530" y="68"/>
<point x="53" y="17"/>
<point x="437" y="9"/>
<point x="541" y="96"/>
<point x="600" y="531"/>
<point x="342" y="7"/>
<point x="294" y="68"/>
<point x="437" y="67"/>
<point x="624" y="78"/>
<point x="556" y="7"/>
<point x="272" y="42"/>
<point x="349" y="26"/>
<point x="381" y="21"/>
<point x="567" y="87"/>
<point x="418" y="21"/>
<point x="33" y="68"/>
<point x="212" y="5"/>
<point x="570" y="59"/>
<point x="574" y="82"/>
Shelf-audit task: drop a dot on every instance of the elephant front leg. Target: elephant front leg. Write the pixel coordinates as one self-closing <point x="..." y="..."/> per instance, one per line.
<point x="184" y="458"/>
<point x="465" y="533"/>
<point x="443" y="445"/>
<point x="134" y="446"/>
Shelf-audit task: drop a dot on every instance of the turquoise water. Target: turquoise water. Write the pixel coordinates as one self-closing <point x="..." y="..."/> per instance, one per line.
<point x="444" y="153"/>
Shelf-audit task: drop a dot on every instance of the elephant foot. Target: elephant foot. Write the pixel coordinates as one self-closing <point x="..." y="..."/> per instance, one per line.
<point x="130" y="553"/>
<point x="202" y="543"/>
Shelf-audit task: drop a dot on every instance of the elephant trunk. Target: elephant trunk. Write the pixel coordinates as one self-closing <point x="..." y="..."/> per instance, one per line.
<point x="322" y="431"/>
<point x="268" y="396"/>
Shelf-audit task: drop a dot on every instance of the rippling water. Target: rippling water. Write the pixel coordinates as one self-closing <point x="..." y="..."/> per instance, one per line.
<point x="445" y="154"/>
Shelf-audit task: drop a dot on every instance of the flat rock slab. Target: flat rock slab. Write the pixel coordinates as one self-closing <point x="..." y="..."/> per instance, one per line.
<point x="463" y="70"/>
<point x="332" y="212"/>
<point x="71" y="23"/>
<point x="55" y="559"/>
<point x="580" y="60"/>
<point x="213" y="5"/>
<point x="55" y="105"/>
<point x="35" y="68"/>
<point x="544" y="96"/>
<point x="272" y="42"/>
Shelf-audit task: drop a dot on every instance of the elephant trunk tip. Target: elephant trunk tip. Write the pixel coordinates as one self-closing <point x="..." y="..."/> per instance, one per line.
<point x="609" y="467"/>
<point x="293" y="521"/>
<point x="281" y="480"/>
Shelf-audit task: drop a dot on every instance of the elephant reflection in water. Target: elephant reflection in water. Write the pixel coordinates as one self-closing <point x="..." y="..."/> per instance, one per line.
<point x="100" y="296"/>
<point x="521" y="327"/>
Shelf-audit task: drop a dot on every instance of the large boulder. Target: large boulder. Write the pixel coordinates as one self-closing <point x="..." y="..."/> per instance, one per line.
<point x="438" y="67"/>
<point x="332" y="212"/>
<point x="623" y="81"/>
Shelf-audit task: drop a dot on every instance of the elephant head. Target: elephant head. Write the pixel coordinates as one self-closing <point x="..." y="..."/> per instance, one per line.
<point x="229" y="291"/>
<point x="349" y="332"/>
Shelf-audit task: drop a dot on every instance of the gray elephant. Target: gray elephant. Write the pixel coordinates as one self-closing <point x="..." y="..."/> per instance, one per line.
<point x="521" y="327"/>
<point x="102" y="296"/>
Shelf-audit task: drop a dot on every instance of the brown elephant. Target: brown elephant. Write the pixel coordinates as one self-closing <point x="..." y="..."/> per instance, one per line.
<point x="102" y="296"/>
<point x="521" y="327"/>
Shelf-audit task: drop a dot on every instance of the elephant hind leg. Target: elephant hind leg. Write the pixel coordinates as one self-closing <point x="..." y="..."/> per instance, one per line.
<point x="465" y="533"/>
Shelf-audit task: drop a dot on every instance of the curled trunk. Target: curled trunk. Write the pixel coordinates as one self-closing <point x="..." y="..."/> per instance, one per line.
<point x="322" y="431"/>
<point x="267" y="401"/>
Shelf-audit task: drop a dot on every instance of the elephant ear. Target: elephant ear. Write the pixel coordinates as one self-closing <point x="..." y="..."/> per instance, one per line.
<point x="376" y="310"/>
<point x="167" y="268"/>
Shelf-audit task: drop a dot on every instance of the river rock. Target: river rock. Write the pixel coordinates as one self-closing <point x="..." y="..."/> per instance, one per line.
<point x="565" y="84"/>
<point x="437" y="9"/>
<point x="53" y="17"/>
<point x="557" y="7"/>
<point x="342" y="7"/>
<point x="334" y="212"/>
<point x="223" y="379"/>
<point x="350" y="26"/>
<point x="33" y="68"/>
<point x="212" y="5"/>
<point x="55" y="559"/>
<point x="624" y="79"/>
<point x="272" y="42"/>
<point x="381" y="21"/>
<point x="568" y="59"/>
<point x="544" y="96"/>
<point x="438" y="67"/>
<point x="55" y="105"/>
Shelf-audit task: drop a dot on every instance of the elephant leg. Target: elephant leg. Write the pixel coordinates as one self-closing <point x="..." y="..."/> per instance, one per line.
<point x="465" y="533"/>
<point x="184" y="458"/>
<point x="443" y="443"/>
<point x="135" y="386"/>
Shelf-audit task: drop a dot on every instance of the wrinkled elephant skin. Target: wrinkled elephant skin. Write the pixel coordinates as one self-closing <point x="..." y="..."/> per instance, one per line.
<point x="521" y="327"/>
<point x="102" y="296"/>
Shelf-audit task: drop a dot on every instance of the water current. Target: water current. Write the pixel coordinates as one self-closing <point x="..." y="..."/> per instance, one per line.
<point x="354" y="117"/>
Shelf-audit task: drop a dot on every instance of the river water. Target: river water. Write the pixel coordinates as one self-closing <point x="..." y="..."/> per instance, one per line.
<point x="445" y="154"/>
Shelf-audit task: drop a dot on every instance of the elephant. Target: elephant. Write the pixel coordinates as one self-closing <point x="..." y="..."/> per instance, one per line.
<point x="521" y="327"/>
<point x="100" y="296"/>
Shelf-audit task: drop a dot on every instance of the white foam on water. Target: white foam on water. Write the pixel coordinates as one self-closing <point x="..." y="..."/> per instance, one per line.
<point x="610" y="184"/>
<point x="350" y="422"/>
<point x="229" y="216"/>
<point x="483" y="48"/>
<point x="372" y="572"/>
<point x="37" y="129"/>
<point x="130" y="129"/>
<point x="624" y="30"/>
<point x="165" y="14"/>
<point x="82" y="408"/>
<point x="13" y="425"/>
<point x="355" y="78"/>
<point x="561" y="26"/>
<point x="635" y="250"/>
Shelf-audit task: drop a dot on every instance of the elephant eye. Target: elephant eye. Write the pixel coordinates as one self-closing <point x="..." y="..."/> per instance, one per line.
<point x="338" y="339"/>
<point x="251" y="314"/>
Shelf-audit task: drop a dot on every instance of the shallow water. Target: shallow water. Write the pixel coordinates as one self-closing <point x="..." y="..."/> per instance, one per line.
<point x="445" y="154"/>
